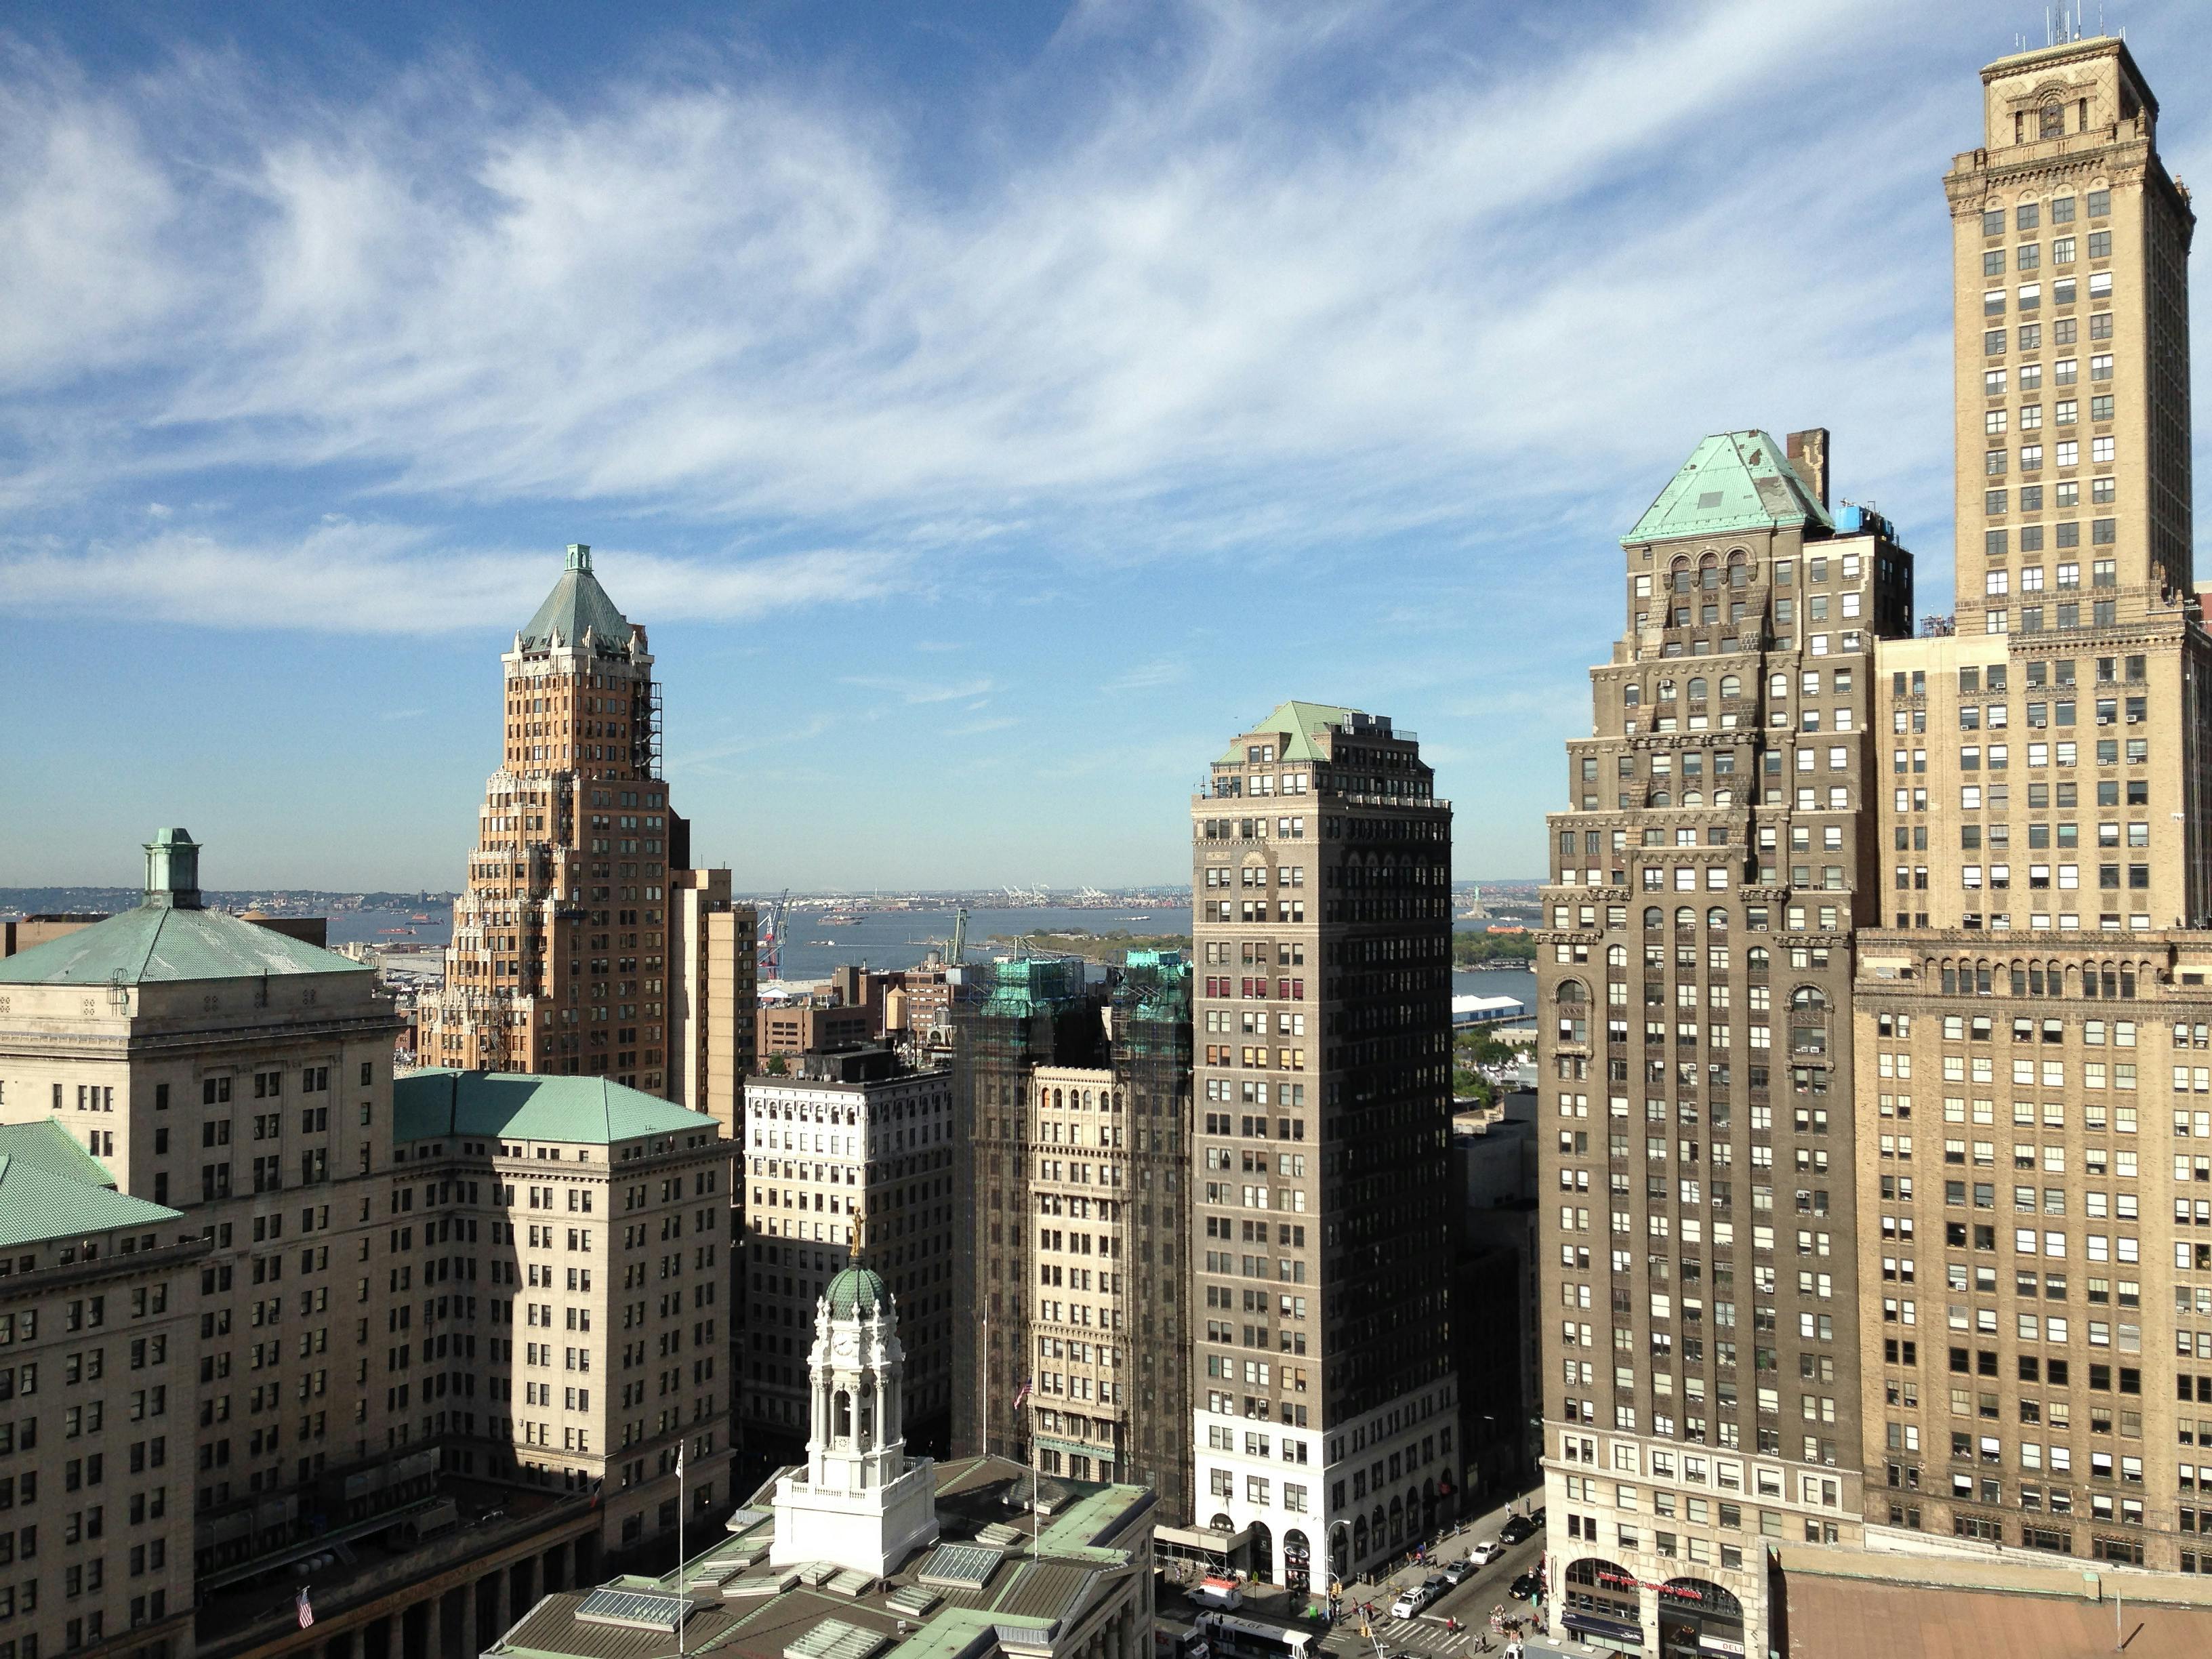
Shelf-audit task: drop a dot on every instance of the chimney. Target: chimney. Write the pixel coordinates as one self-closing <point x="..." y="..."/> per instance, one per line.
<point x="172" y="870"/>
<point x="1809" y="458"/>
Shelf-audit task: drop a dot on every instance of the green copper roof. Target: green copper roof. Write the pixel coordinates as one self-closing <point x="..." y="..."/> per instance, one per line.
<point x="1298" y="722"/>
<point x="577" y="603"/>
<point x="45" y="1144"/>
<point x="1023" y="986"/>
<point x="523" y="1107"/>
<point x="857" y="1291"/>
<point x="36" y="1204"/>
<point x="1732" y="481"/>
<point x="163" y="942"/>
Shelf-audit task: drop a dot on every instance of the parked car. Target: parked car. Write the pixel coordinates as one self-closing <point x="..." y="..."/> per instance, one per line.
<point x="1484" y="1551"/>
<point x="1516" y="1530"/>
<point x="1459" y="1572"/>
<point x="1435" y="1585"/>
<point x="1527" y="1586"/>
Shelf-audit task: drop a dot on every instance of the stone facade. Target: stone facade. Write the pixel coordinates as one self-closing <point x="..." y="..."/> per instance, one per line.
<point x="1323" y="1404"/>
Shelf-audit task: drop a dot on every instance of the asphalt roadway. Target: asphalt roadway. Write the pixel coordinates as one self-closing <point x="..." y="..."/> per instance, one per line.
<point x="1427" y="1634"/>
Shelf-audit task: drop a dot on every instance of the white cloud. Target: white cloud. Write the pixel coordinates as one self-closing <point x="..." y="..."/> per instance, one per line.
<point x="1206" y="309"/>
<point x="345" y="578"/>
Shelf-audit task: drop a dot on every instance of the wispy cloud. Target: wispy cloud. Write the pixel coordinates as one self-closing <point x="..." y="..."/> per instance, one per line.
<point x="1149" y="677"/>
<point x="1191" y="310"/>
<point x="345" y="578"/>
<point x="914" y="692"/>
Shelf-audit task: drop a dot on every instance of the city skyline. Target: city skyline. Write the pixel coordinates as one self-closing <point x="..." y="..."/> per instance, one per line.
<point x="874" y="514"/>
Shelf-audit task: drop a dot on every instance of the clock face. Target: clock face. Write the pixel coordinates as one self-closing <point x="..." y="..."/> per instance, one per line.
<point x="845" y="1348"/>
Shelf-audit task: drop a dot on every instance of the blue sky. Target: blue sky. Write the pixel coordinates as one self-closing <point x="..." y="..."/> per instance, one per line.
<point x="990" y="410"/>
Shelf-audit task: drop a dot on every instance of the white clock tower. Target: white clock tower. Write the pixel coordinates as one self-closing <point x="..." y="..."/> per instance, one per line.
<point x="862" y="1503"/>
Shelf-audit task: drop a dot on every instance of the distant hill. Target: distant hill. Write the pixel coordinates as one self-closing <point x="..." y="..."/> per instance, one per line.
<point x="77" y="901"/>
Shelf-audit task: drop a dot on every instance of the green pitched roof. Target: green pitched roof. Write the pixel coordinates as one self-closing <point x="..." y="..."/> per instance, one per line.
<point x="1297" y="722"/>
<point x="577" y="603"/>
<point x="45" y="1144"/>
<point x="525" y="1107"/>
<point x="1732" y="481"/>
<point x="36" y="1205"/>
<point x="857" y="1291"/>
<point x="156" y="942"/>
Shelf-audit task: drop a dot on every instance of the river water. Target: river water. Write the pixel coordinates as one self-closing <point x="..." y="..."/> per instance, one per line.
<point x="901" y="938"/>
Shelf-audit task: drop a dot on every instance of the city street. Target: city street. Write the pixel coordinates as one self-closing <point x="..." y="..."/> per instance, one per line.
<point x="1469" y="1603"/>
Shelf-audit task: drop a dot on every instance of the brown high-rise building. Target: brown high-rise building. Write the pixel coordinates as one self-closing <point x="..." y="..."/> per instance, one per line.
<point x="1860" y="1260"/>
<point x="560" y="961"/>
<point x="1321" y="1388"/>
<point x="1699" y="1281"/>
<point x="558" y="958"/>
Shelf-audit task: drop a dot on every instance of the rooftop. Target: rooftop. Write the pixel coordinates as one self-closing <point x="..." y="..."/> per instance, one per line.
<point x="44" y="1143"/>
<point x="37" y="1204"/>
<point x="984" y="1583"/>
<point x="1732" y="481"/>
<point x="439" y="1102"/>
<point x="577" y="605"/>
<point x="158" y="944"/>
<point x="1298" y="722"/>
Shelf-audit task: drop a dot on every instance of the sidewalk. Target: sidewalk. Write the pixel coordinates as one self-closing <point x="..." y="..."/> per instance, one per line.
<point x="1453" y="1548"/>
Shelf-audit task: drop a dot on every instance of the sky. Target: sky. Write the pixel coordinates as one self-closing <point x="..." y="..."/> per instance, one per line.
<point x="989" y="409"/>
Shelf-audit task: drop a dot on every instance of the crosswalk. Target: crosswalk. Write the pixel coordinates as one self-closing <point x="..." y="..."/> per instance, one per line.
<point x="1420" y="1635"/>
<point x="1426" y="1635"/>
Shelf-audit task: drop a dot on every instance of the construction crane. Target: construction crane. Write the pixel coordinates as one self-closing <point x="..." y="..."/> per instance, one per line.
<point x="768" y="939"/>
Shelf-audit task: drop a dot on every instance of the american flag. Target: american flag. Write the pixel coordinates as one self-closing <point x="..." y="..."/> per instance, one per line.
<point x="307" y="1612"/>
<point x="1022" y="1398"/>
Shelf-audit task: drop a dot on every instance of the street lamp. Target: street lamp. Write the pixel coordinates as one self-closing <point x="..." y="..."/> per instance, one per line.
<point x="1336" y="1571"/>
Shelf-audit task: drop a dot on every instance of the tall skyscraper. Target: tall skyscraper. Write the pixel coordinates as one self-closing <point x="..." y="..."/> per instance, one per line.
<point x="1322" y="1399"/>
<point x="559" y="959"/>
<point x="1694" y="978"/>
<point x="1949" y="1321"/>
<point x="2035" y="1136"/>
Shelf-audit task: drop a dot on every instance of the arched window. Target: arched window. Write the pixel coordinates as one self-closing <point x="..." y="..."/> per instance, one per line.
<point x="1616" y="955"/>
<point x="2050" y="121"/>
<point x="1685" y="918"/>
<point x="1808" y="996"/>
<point x="1738" y="571"/>
<point x="1665" y="690"/>
<point x="1717" y="919"/>
<point x="1654" y="918"/>
<point x="1731" y="686"/>
<point x="1663" y="798"/>
<point x="1755" y="959"/>
<point x="1698" y="690"/>
<point x="841" y="1416"/>
<point x="1682" y="576"/>
<point x="1632" y="695"/>
<point x="1573" y="990"/>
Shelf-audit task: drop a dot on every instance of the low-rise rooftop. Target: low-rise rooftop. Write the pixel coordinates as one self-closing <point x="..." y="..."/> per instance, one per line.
<point x="997" y="1579"/>
<point x="521" y="1106"/>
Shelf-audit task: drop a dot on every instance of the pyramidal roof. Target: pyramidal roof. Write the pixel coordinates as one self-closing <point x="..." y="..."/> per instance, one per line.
<point x="1732" y="481"/>
<point x="1298" y="722"/>
<point x="577" y="603"/>
<point x="441" y="1101"/>
<point x="44" y="1143"/>
<point x="158" y="942"/>
<point x="37" y="1204"/>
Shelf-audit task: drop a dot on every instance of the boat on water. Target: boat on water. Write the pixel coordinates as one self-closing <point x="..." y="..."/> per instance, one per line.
<point x="839" y="921"/>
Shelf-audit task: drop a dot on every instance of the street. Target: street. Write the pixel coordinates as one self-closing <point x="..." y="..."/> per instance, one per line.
<point x="1469" y="1603"/>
